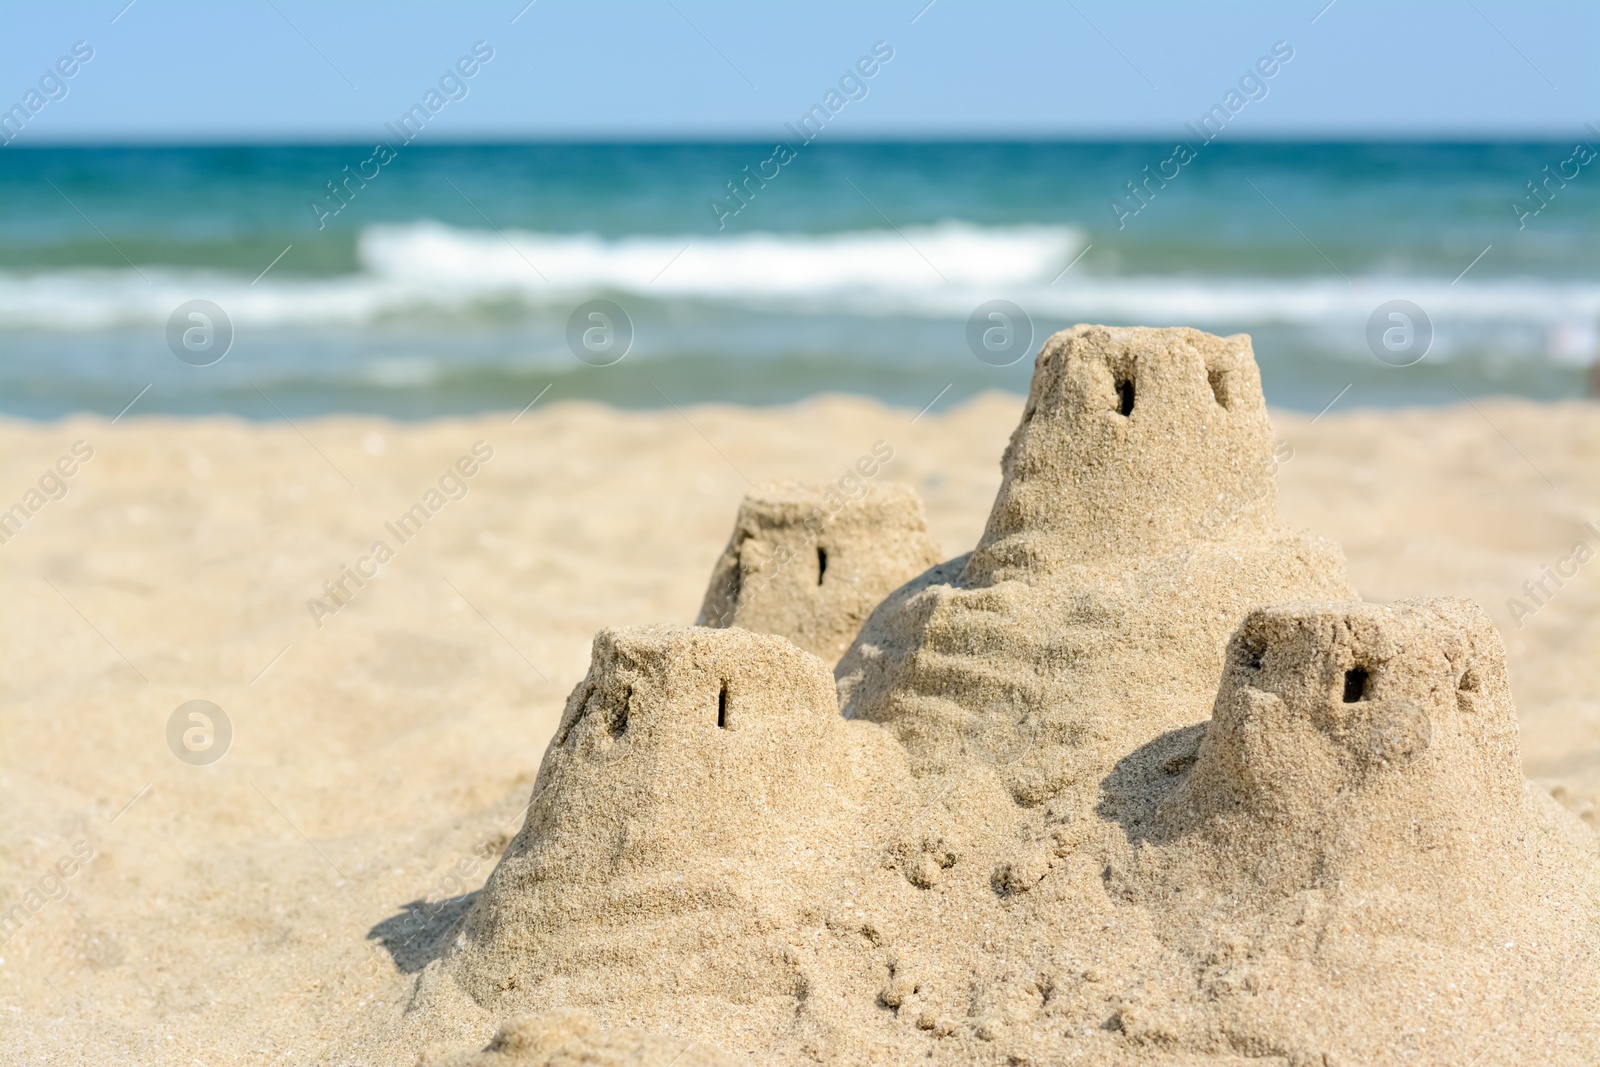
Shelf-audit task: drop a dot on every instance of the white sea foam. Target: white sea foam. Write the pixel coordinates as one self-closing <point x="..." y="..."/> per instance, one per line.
<point x="753" y="265"/>
<point x="943" y="271"/>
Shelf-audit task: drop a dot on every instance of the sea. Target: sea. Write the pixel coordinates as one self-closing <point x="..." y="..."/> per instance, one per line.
<point x="271" y="281"/>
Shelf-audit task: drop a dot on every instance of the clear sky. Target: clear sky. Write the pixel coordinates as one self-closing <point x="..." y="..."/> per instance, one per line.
<point x="246" y="70"/>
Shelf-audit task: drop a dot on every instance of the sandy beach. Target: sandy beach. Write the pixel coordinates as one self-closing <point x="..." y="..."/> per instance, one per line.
<point x="832" y="538"/>
<point x="384" y="741"/>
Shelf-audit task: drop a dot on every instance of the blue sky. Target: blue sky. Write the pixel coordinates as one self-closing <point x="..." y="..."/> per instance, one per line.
<point x="184" y="70"/>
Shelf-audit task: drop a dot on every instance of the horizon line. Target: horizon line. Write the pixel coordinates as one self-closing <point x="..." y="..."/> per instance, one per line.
<point x="687" y="139"/>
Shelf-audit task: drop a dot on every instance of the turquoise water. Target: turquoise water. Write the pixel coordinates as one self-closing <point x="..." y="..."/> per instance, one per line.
<point x="444" y="280"/>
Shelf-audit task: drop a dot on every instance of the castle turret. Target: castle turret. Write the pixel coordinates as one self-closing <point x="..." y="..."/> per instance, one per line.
<point x="696" y="774"/>
<point x="1379" y="739"/>
<point x="1355" y="820"/>
<point x="810" y="562"/>
<point x="1134" y="526"/>
<point x="1133" y="441"/>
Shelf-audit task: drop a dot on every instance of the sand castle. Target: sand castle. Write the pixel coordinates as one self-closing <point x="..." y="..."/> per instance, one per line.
<point x="810" y="563"/>
<point x="698" y="795"/>
<point x="1042" y="830"/>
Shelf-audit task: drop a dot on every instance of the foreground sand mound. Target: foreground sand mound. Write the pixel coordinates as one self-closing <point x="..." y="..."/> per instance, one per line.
<point x="810" y="563"/>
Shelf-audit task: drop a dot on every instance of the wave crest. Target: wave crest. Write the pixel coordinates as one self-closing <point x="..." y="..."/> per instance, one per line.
<point x="426" y="270"/>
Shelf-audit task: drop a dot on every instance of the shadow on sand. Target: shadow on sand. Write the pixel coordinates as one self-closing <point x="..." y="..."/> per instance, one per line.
<point x="418" y="935"/>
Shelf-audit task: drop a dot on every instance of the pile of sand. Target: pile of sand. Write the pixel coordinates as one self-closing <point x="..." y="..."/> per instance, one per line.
<point x="569" y="1038"/>
<point x="1022" y="843"/>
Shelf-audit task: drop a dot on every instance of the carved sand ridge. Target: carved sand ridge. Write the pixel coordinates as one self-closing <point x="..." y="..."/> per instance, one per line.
<point x="1134" y="782"/>
<point x="810" y="563"/>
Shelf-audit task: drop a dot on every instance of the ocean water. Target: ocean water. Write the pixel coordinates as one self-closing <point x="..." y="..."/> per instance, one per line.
<point x="447" y="279"/>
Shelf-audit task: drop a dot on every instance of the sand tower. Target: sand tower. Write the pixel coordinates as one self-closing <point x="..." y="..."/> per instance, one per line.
<point x="810" y="563"/>
<point x="1134" y="526"/>
<point x="700" y="789"/>
<point x="1333" y="718"/>
<point x="1365" y="745"/>
<point x="1354" y="838"/>
<point x="1133" y="442"/>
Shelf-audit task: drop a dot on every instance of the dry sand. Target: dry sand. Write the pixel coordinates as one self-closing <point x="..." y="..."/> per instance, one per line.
<point x="284" y="903"/>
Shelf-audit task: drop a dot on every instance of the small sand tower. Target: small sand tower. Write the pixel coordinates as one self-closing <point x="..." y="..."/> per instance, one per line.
<point x="810" y="563"/>
<point x="700" y="787"/>
<point x="1354" y="838"/>
<point x="1363" y="742"/>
